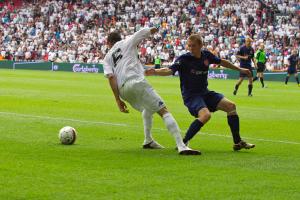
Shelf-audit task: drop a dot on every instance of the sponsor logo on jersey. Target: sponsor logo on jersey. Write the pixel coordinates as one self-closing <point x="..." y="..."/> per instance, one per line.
<point x="206" y="62"/>
<point x="198" y="72"/>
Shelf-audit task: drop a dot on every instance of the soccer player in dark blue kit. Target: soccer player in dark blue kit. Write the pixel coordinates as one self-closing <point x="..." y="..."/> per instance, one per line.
<point x="193" y="68"/>
<point x="246" y="55"/>
<point x="292" y="69"/>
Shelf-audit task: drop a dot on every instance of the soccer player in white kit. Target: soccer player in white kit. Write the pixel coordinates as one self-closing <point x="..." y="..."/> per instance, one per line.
<point x="126" y="77"/>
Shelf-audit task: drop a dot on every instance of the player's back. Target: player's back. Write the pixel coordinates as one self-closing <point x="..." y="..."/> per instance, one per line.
<point x="122" y="59"/>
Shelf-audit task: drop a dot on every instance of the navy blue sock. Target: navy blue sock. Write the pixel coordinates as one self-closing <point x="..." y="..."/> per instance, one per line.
<point x="250" y="89"/>
<point x="193" y="130"/>
<point x="234" y="123"/>
<point x="286" y="79"/>
<point x="236" y="87"/>
<point x="262" y="81"/>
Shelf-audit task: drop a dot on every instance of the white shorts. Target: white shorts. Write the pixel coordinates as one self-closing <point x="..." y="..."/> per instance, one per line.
<point x="141" y="96"/>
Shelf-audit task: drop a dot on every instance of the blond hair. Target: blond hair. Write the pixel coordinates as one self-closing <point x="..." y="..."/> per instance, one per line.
<point x="249" y="39"/>
<point x="197" y="38"/>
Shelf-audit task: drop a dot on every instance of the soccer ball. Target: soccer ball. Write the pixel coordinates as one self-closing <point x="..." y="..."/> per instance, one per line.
<point x="67" y="135"/>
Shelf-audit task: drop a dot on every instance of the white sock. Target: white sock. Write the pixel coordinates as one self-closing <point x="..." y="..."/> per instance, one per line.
<point x="173" y="128"/>
<point x="147" y="119"/>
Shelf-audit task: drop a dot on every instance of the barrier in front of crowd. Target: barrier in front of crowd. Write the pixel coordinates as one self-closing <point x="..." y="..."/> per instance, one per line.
<point x="98" y="68"/>
<point x="53" y="66"/>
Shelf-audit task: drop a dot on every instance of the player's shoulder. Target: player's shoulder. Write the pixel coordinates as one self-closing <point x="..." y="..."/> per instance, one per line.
<point x="118" y="44"/>
<point x="243" y="47"/>
<point x="206" y="52"/>
<point x="109" y="52"/>
<point x="107" y="56"/>
<point x="295" y="57"/>
<point x="113" y="49"/>
<point x="185" y="56"/>
<point x="126" y="41"/>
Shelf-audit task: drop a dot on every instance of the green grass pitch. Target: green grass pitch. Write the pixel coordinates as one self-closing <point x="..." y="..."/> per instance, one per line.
<point x="107" y="161"/>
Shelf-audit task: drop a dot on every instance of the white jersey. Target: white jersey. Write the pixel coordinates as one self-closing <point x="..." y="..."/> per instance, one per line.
<point x="122" y="59"/>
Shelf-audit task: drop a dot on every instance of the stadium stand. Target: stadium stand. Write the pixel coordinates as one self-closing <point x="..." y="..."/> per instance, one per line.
<point x="75" y="31"/>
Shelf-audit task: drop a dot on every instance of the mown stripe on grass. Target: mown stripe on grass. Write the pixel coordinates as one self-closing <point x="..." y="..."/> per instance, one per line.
<point x="133" y="126"/>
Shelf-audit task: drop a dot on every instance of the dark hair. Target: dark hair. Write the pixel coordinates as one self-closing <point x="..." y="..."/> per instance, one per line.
<point x="114" y="37"/>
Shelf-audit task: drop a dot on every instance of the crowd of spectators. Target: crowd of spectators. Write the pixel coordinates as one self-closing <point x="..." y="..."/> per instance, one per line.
<point x="76" y="30"/>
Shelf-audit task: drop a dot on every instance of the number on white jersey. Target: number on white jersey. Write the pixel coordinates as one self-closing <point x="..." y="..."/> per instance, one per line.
<point x="117" y="55"/>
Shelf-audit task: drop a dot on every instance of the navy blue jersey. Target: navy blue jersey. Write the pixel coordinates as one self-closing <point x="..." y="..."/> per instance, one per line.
<point x="246" y="51"/>
<point x="294" y="59"/>
<point x="193" y="72"/>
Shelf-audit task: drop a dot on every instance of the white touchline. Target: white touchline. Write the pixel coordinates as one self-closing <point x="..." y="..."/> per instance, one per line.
<point x="132" y="126"/>
<point x="60" y="118"/>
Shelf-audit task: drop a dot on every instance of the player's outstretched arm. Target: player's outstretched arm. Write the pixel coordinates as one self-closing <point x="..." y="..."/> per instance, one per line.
<point x="114" y="87"/>
<point x="229" y="65"/>
<point x="138" y="36"/>
<point x="158" y="72"/>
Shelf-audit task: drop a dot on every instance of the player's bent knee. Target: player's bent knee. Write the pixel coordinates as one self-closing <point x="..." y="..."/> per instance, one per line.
<point x="204" y="117"/>
<point x="231" y="108"/>
<point x="163" y="111"/>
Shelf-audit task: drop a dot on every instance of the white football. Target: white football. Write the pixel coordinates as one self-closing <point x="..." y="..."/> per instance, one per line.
<point x="67" y="135"/>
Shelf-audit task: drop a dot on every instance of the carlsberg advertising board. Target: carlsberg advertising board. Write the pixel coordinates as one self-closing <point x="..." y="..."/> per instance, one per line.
<point x="78" y="67"/>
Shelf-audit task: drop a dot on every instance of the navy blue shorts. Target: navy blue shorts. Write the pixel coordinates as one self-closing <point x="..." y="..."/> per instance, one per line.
<point x="209" y="100"/>
<point x="292" y="70"/>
